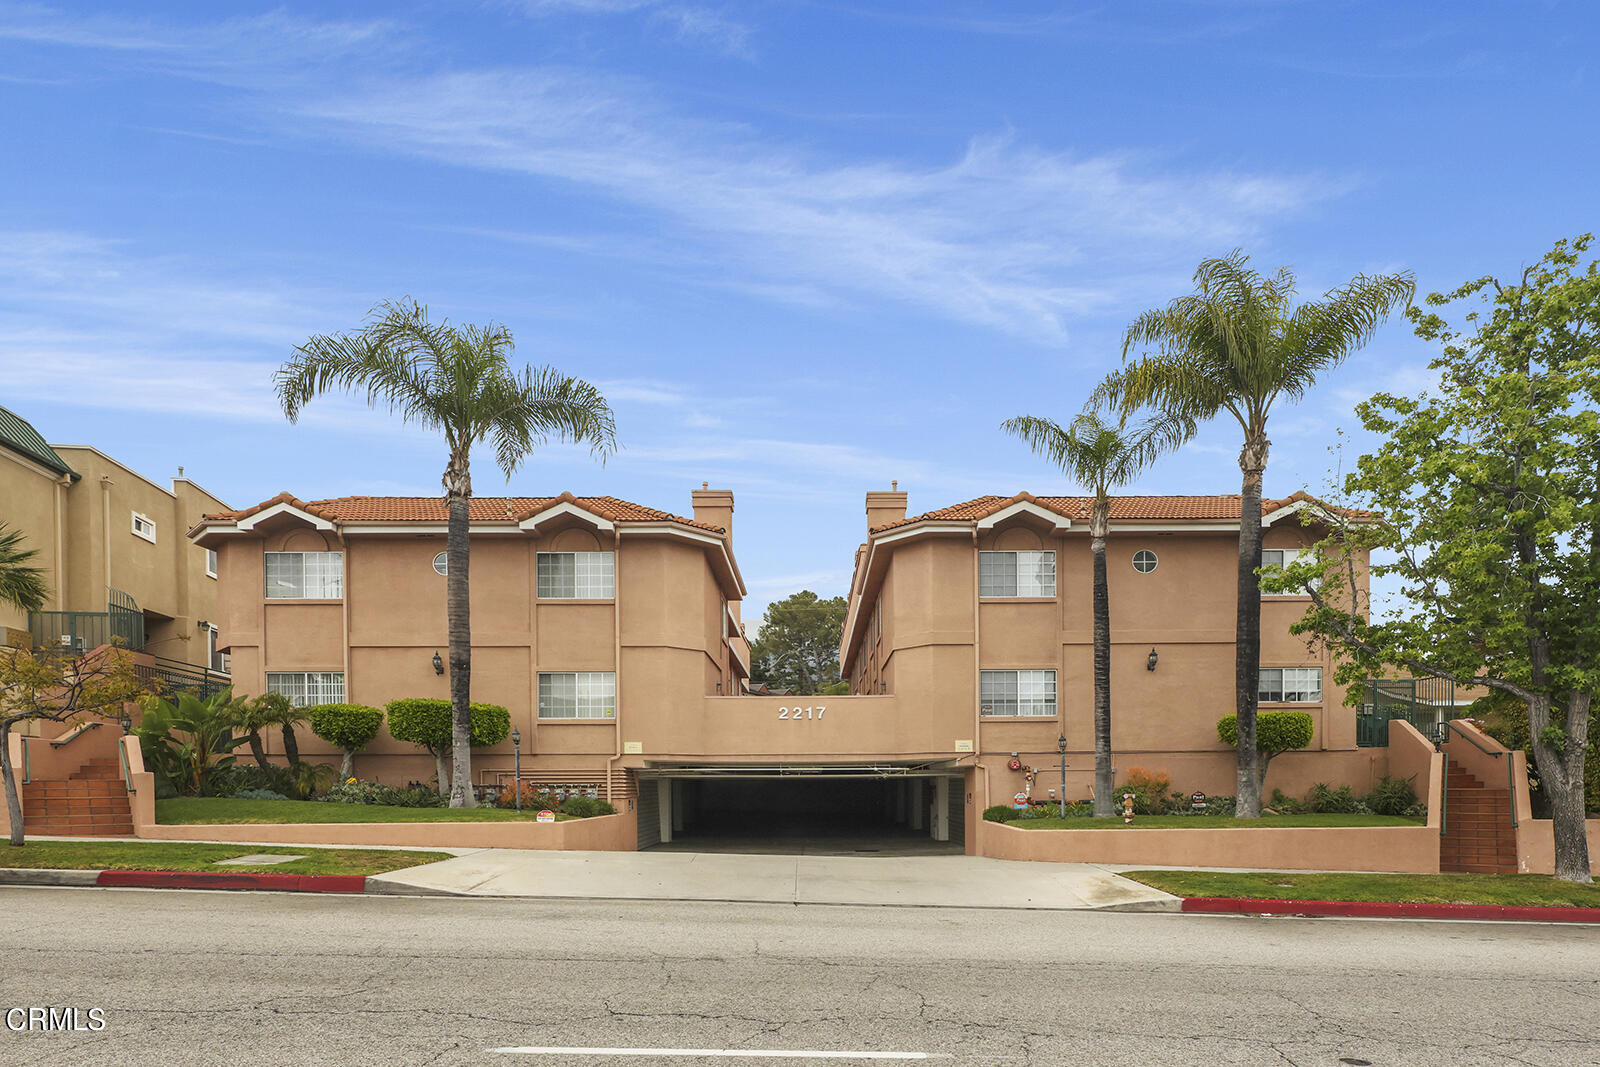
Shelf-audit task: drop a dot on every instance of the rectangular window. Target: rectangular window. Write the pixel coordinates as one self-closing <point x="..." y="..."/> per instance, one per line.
<point x="308" y="688"/>
<point x="145" y="527"/>
<point x="1279" y="558"/>
<point x="305" y="575"/>
<point x="1016" y="574"/>
<point x="1291" y="685"/>
<point x="1030" y="693"/>
<point x="577" y="575"/>
<point x="577" y="695"/>
<point x="211" y="563"/>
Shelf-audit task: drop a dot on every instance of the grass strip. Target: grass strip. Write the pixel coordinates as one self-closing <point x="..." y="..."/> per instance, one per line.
<point x="181" y="811"/>
<point x="186" y="856"/>
<point x="1212" y="822"/>
<point x="1540" y="890"/>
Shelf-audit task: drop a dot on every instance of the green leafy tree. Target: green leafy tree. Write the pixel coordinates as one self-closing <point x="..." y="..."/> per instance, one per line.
<point x="459" y="381"/>
<point x="22" y="585"/>
<point x="1237" y="345"/>
<point x="798" y="645"/>
<point x="349" y="727"/>
<point x="1485" y="496"/>
<point x="1101" y="455"/>
<point x="430" y="724"/>
<point x="1277" y="732"/>
<point x="42" y="685"/>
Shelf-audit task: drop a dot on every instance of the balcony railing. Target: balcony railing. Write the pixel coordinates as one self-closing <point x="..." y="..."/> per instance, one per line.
<point x="169" y="677"/>
<point x="84" y="631"/>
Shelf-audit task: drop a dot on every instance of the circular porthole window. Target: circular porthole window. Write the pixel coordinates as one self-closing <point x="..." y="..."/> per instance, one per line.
<point x="1144" y="561"/>
<point x="441" y="563"/>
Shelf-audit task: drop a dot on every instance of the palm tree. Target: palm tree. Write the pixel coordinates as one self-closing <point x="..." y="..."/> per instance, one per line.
<point x="21" y="585"/>
<point x="1237" y="344"/>
<point x="1103" y="456"/>
<point x="457" y="380"/>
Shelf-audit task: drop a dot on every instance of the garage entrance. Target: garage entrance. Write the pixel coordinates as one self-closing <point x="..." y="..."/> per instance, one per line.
<point x="833" y="811"/>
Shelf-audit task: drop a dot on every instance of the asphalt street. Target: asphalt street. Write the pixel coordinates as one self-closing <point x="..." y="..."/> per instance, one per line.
<point x="210" y="978"/>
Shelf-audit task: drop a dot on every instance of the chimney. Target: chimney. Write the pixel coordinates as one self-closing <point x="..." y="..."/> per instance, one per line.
<point x="714" y="506"/>
<point x="884" y="508"/>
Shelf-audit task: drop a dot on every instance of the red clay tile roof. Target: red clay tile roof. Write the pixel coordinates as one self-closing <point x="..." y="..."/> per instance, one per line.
<point x="1123" y="508"/>
<point x="479" y="509"/>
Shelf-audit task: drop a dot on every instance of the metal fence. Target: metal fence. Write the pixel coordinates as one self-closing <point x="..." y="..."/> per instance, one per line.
<point x="168" y="678"/>
<point x="1426" y="703"/>
<point x="84" y="631"/>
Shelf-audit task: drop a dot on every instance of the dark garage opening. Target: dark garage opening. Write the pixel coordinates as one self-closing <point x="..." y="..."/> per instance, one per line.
<point x="820" y="815"/>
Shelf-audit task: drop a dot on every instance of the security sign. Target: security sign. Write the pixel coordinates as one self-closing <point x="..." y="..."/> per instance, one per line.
<point x="545" y="816"/>
<point x="1019" y="801"/>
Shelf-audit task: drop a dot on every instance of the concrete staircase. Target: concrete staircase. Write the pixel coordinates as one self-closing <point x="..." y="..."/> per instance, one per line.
<point x="1478" y="837"/>
<point x="92" y="802"/>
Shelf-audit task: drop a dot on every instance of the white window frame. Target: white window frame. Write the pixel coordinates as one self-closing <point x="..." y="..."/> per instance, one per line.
<point x="1027" y="690"/>
<point x="1295" y="681"/>
<point x="143" y="526"/>
<point x="1155" y="561"/>
<point x="992" y="568"/>
<point x="1285" y="556"/>
<point x="443" y="572"/>
<point x="593" y="695"/>
<point x="211" y="563"/>
<point x="594" y="576"/>
<point x="327" y="583"/>
<point x="308" y="688"/>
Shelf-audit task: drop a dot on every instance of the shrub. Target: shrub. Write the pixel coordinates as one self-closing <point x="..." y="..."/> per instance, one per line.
<point x="533" y="798"/>
<point x="1000" y="813"/>
<point x="356" y="792"/>
<point x="247" y="777"/>
<point x="346" y="726"/>
<point x="1277" y="732"/>
<point x="307" y="778"/>
<point x="427" y="723"/>
<point x="1391" y="796"/>
<point x="587" y="807"/>
<point x="1152" y="792"/>
<point x="259" y="794"/>
<point x="1323" y="799"/>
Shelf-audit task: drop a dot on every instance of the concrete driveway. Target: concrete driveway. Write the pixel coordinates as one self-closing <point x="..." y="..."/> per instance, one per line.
<point x="905" y="881"/>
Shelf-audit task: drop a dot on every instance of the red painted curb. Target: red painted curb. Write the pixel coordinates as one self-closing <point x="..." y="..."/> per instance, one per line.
<point x="1386" y="910"/>
<point x="294" y="883"/>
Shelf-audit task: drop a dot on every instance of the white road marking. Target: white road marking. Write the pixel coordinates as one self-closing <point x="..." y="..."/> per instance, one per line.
<point x="724" y="1053"/>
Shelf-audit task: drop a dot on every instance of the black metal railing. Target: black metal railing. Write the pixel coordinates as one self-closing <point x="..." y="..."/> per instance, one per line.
<point x="122" y="623"/>
<point x="169" y="677"/>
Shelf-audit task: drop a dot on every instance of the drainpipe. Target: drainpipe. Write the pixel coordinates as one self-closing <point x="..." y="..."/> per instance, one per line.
<point x="616" y="655"/>
<point x="63" y="483"/>
<point x="105" y="512"/>
<point x="977" y="673"/>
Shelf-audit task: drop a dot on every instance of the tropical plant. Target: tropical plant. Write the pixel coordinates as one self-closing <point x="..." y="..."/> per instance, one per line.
<point x="22" y="585"/>
<point x="254" y="714"/>
<point x="1237" y="345"/>
<point x="1391" y="796"/>
<point x="42" y="685"/>
<point x="189" y="738"/>
<point x="1277" y="732"/>
<point x="459" y="381"/>
<point x="348" y="727"/>
<point x="309" y="778"/>
<point x="1101" y="456"/>
<point x="1484" y="495"/>
<point x="429" y="723"/>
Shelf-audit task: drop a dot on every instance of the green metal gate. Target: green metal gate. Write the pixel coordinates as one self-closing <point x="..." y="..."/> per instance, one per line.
<point x="1426" y="703"/>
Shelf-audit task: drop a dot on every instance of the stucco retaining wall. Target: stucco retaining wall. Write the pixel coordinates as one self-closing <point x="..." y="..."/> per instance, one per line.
<point x="605" y="833"/>
<point x="1536" y="846"/>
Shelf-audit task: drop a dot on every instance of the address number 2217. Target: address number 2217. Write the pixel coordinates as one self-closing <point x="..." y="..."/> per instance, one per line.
<point x="802" y="713"/>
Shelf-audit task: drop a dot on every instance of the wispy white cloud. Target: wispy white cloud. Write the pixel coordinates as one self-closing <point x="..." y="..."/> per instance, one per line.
<point x="696" y="24"/>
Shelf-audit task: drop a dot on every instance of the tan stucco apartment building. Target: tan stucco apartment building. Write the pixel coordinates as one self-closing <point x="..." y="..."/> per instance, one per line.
<point x="612" y="632"/>
<point x="113" y="549"/>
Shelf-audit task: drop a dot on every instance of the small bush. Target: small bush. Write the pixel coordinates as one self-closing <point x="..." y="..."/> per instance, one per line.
<point x="258" y="794"/>
<point x="1000" y="813"/>
<point x="1152" y="793"/>
<point x="1392" y="796"/>
<point x="347" y="727"/>
<point x="1215" y="805"/>
<point x="587" y="807"/>
<point x="232" y="780"/>
<point x="533" y="798"/>
<point x="349" y="792"/>
<point x="1323" y="799"/>
<point x="306" y="778"/>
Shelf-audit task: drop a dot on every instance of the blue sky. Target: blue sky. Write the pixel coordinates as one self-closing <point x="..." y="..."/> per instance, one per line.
<point x="805" y="247"/>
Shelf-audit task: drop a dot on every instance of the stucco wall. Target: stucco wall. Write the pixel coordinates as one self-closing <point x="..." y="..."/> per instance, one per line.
<point x="605" y="833"/>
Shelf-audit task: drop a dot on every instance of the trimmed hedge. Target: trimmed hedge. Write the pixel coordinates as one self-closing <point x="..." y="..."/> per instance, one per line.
<point x="428" y="723"/>
<point x="348" y="727"/>
<point x="1276" y="731"/>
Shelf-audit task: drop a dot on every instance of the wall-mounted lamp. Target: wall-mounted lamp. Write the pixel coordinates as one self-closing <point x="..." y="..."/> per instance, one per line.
<point x="202" y="625"/>
<point x="438" y="664"/>
<point x="1150" y="664"/>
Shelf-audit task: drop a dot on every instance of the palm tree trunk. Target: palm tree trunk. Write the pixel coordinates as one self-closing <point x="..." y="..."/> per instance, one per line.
<point x="1247" y="635"/>
<point x="13" y="801"/>
<point x="458" y="491"/>
<point x="257" y="749"/>
<point x="291" y="747"/>
<point x="1104" y="774"/>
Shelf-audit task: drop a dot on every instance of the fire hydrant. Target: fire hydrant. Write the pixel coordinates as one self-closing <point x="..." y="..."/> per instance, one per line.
<point x="1127" y="807"/>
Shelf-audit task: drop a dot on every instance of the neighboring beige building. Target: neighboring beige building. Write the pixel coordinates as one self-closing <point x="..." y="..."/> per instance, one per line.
<point x="113" y="548"/>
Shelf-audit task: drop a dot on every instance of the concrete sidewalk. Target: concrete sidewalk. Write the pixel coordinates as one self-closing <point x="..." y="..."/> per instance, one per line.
<point x="910" y="881"/>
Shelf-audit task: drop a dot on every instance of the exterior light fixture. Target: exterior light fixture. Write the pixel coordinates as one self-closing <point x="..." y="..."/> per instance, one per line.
<point x="127" y="722"/>
<point x="438" y="664"/>
<point x="1150" y="664"/>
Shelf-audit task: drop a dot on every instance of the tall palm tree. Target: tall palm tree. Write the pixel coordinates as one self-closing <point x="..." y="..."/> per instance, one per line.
<point x="21" y="585"/>
<point x="1101" y="455"/>
<point x="457" y="380"/>
<point x="1237" y="344"/>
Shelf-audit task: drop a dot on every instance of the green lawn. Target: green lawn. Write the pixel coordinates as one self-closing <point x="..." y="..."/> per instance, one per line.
<point x="1211" y="822"/>
<point x="182" y="856"/>
<point x="1536" y="889"/>
<point x="191" y="810"/>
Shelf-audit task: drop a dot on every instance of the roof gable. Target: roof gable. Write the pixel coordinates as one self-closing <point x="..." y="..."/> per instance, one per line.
<point x="18" y="435"/>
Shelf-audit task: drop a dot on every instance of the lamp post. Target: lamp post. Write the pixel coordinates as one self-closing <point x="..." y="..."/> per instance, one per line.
<point x="516" y="744"/>
<point x="1061" y="747"/>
